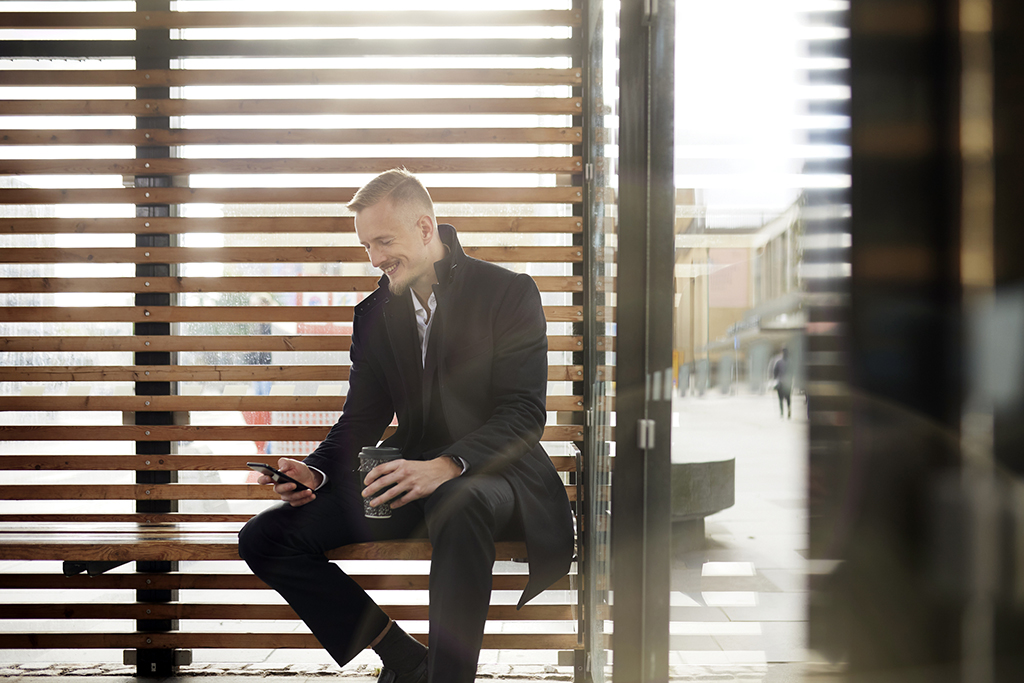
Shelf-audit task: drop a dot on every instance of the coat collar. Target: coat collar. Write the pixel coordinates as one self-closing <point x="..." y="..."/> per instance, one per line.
<point x="447" y="268"/>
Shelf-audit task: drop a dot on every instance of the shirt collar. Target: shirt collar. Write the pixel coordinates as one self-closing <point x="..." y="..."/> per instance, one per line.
<point x="420" y="310"/>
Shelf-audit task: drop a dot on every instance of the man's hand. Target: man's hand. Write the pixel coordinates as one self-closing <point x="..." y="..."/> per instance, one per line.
<point x="299" y="472"/>
<point x="412" y="479"/>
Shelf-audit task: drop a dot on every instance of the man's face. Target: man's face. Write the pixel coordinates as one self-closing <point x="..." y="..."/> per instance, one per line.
<point x="395" y="243"/>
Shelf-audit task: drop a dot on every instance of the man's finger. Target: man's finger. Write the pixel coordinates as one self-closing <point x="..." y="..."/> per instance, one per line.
<point x="284" y="487"/>
<point x="390" y="495"/>
<point x="300" y="498"/>
<point x="391" y="479"/>
<point x="381" y="470"/>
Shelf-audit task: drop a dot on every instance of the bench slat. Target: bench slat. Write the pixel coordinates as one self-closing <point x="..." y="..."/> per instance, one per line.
<point x="556" y="612"/>
<point x="208" y="546"/>
<point x="211" y="433"/>
<point x="235" y="641"/>
<point x="150" y="492"/>
<point x="6" y="521"/>
<point x="563" y="463"/>
<point x="181" y="581"/>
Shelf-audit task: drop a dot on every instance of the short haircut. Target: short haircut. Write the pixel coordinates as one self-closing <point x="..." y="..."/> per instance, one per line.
<point x="400" y="187"/>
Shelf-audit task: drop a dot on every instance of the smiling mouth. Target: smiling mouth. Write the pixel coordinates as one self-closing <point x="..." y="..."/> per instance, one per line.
<point x="390" y="269"/>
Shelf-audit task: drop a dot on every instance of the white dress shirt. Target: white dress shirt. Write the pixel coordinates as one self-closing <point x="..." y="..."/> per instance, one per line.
<point x="424" y="321"/>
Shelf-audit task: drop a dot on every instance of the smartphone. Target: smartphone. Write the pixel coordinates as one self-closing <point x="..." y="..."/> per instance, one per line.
<point x="278" y="476"/>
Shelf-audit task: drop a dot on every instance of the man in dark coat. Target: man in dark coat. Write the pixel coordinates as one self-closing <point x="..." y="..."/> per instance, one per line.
<point x="457" y="348"/>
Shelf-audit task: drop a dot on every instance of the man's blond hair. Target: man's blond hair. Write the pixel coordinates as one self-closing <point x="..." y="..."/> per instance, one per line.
<point x="401" y="188"/>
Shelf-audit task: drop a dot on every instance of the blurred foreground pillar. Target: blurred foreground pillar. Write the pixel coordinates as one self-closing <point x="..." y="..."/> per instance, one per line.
<point x="924" y="511"/>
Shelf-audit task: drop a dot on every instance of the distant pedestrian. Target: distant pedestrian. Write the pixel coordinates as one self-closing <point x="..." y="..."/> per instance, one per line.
<point x="784" y="384"/>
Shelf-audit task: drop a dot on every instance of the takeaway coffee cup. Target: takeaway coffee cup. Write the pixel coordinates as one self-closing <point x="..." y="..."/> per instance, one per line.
<point x="369" y="458"/>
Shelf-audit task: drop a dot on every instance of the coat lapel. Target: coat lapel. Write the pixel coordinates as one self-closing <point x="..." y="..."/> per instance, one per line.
<point x="430" y="367"/>
<point x="405" y="344"/>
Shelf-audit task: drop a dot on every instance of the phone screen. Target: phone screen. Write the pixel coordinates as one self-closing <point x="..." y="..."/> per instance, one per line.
<point x="276" y="475"/>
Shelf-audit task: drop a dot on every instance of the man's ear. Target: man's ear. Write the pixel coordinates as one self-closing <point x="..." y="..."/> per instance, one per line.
<point x="426" y="227"/>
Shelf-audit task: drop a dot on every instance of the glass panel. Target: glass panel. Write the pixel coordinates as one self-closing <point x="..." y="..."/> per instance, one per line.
<point x="600" y="336"/>
<point x="755" y="157"/>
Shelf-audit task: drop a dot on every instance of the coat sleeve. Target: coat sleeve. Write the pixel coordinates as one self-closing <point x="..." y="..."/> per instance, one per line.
<point x="368" y="411"/>
<point x="519" y="372"/>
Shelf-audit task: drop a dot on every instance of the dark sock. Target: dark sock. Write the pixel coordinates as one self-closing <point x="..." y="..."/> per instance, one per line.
<point x="399" y="651"/>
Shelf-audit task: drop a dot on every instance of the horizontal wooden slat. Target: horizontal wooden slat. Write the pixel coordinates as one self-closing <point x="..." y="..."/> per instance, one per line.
<point x="275" y="224"/>
<point x="176" y="403"/>
<point x="540" y="106"/>
<point x="235" y="641"/>
<point x="207" y="433"/>
<point x="175" y="492"/>
<point x="141" y="545"/>
<point x="240" y="314"/>
<point x="104" y="549"/>
<point x="135" y="492"/>
<point x="263" y="255"/>
<point x="301" y="195"/>
<point x="208" y="403"/>
<point x="149" y="78"/>
<point x="261" y="342"/>
<point x="192" y="581"/>
<point x="290" y="165"/>
<point x="133" y="517"/>
<point x="209" y="373"/>
<point x="538" y="612"/>
<point x="314" y="283"/>
<point x="122" y="532"/>
<point x="333" y="342"/>
<point x="468" y="45"/>
<point x="147" y="492"/>
<point x="562" y="463"/>
<point x="291" y="136"/>
<point x="221" y="19"/>
<point x="176" y="373"/>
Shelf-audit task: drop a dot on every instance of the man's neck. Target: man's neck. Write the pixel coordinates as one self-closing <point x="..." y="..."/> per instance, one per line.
<point x="419" y="294"/>
<point x="423" y="290"/>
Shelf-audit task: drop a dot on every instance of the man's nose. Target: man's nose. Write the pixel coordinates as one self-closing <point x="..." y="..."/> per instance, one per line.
<point x="376" y="258"/>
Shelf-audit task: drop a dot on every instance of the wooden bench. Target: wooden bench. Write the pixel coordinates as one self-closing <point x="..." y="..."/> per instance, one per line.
<point x="206" y="574"/>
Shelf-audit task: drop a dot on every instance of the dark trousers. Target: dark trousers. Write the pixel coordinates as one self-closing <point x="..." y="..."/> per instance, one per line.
<point x="785" y="394"/>
<point x="463" y="518"/>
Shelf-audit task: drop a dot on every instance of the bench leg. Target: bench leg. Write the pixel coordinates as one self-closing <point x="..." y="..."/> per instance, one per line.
<point x="577" y="659"/>
<point x="157" y="663"/>
<point x="150" y="663"/>
<point x="154" y="663"/>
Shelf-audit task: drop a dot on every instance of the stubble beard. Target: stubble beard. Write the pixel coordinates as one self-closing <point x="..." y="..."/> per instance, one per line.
<point x="397" y="288"/>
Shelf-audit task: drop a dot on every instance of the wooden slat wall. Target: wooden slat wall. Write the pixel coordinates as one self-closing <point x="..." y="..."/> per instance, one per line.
<point x="108" y="202"/>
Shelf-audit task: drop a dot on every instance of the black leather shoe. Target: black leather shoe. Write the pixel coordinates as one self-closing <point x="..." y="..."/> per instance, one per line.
<point x="417" y="675"/>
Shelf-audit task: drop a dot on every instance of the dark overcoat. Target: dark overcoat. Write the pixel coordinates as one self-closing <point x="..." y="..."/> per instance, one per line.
<point x="491" y="356"/>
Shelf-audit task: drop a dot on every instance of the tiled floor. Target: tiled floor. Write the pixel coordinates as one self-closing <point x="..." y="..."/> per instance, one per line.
<point x="742" y="600"/>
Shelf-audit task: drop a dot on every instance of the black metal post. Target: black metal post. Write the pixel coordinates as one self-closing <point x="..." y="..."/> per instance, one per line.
<point x="906" y="357"/>
<point x="592" y="534"/>
<point x="641" y="506"/>
<point x="153" y="51"/>
<point x="1007" y="45"/>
